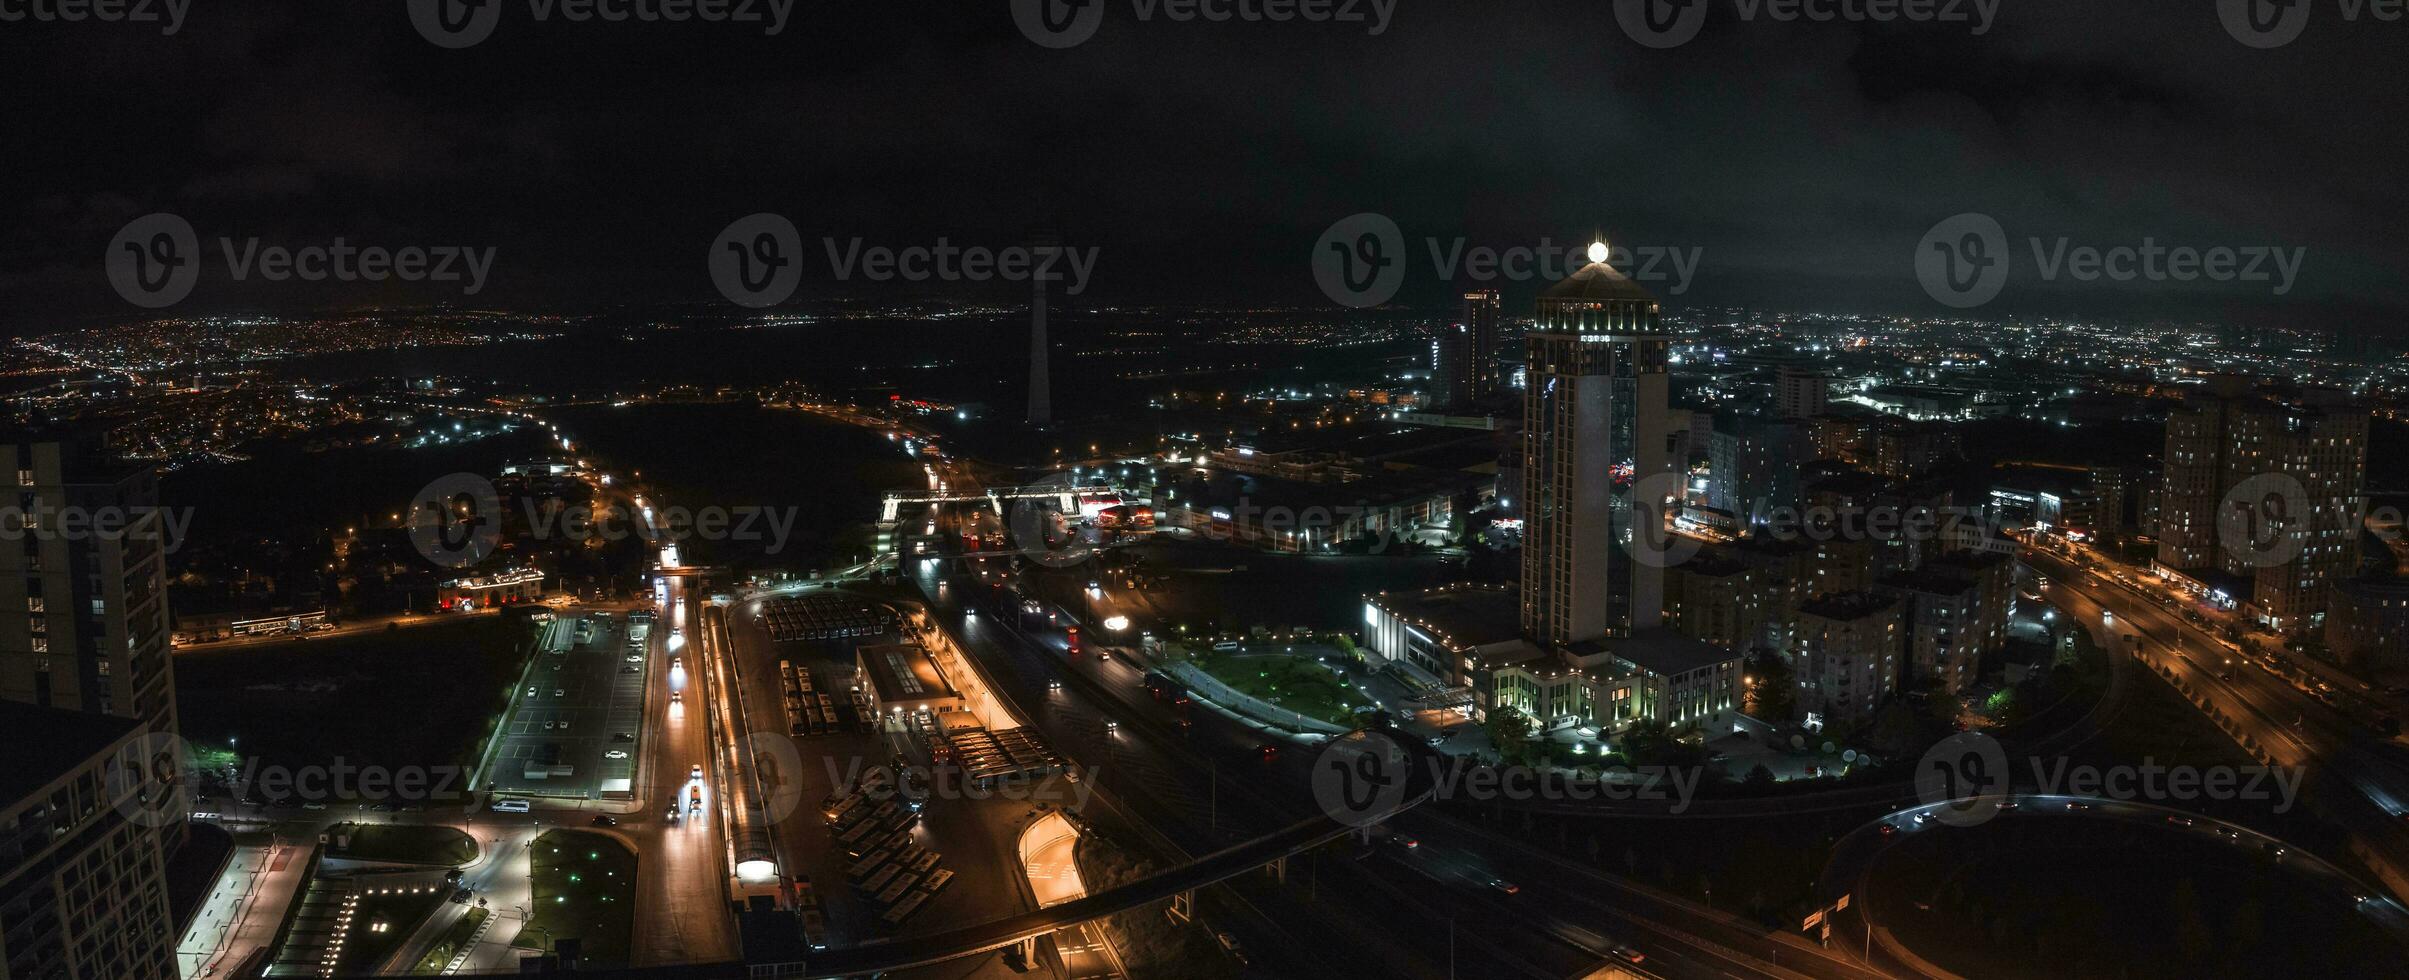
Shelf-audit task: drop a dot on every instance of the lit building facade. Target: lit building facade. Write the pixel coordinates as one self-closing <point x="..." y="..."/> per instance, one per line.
<point x="83" y="883"/>
<point x="1594" y="430"/>
<point x="1848" y="659"/>
<point x="84" y="625"/>
<point x="2310" y="457"/>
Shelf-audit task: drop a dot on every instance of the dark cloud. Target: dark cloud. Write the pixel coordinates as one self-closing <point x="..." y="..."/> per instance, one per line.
<point x="1806" y="160"/>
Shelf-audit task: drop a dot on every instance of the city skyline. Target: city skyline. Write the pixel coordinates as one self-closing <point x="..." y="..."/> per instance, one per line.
<point x="1204" y="490"/>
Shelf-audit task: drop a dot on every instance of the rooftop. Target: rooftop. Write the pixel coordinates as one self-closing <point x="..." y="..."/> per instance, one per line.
<point x="1596" y="282"/>
<point x="47" y="743"/>
<point x="1461" y="616"/>
<point x="1667" y="652"/>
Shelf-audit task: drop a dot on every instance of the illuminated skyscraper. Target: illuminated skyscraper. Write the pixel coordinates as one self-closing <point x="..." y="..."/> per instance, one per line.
<point x="1595" y="430"/>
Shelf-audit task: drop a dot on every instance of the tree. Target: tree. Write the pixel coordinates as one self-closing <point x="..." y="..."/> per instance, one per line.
<point x="1771" y="688"/>
<point x="1759" y="779"/>
<point x="1510" y="730"/>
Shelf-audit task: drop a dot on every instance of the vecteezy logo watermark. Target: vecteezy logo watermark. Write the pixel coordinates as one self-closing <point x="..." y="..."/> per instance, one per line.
<point x="1359" y="780"/>
<point x="456" y="521"/>
<point x="2267" y="24"/>
<point x="1361" y="261"/>
<point x="459" y="24"/>
<point x="147" y="782"/>
<point x="155" y="260"/>
<point x="2262" y="520"/>
<point x="1966" y="775"/>
<point x="168" y="13"/>
<point x="1062" y="24"/>
<point x="757" y="260"/>
<point x="1964" y="262"/>
<point x="1672" y="23"/>
<point x="1967" y="780"/>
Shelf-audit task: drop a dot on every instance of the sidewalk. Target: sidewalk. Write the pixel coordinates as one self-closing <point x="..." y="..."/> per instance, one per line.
<point x="274" y="881"/>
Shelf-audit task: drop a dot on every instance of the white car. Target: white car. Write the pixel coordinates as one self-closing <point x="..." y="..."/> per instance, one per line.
<point x="615" y="754"/>
<point x="696" y="772"/>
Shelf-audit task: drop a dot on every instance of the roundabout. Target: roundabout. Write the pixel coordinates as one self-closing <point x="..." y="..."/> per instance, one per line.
<point x="2076" y="886"/>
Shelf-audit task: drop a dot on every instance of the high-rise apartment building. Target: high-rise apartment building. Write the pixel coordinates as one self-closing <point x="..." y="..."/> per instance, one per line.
<point x="1799" y="391"/>
<point x="1464" y="356"/>
<point x="83" y="873"/>
<point x="1594" y="434"/>
<point x="1848" y="655"/>
<point x="2272" y="492"/>
<point x="1484" y="330"/>
<point x="83" y="587"/>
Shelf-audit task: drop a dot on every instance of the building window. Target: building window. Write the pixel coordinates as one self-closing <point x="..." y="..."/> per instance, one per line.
<point x="33" y="604"/>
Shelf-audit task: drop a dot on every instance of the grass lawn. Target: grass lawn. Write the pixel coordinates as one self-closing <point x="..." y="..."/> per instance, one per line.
<point x="416" y="696"/>
<point x="405" y="842"/>
<point x="585" y="886"/>
<point x="440" y="955"/>
<point x="1299" y="684"/>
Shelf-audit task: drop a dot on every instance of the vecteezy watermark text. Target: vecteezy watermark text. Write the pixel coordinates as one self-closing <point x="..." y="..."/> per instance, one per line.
<point x="1673" y="23"/>
<point x="1361" y="261"/>
<point x="1069" y="23"/>
<point x="1965" y="260"/>
<point x="1967" y="779"/>
<point x="465" y="23"/>
<point x="155" y="260"/>
<point x="757" y="261"/>
<point x="105" y="523"/>
<point x="169" y="14"/>
<point x="1365" y="778"/>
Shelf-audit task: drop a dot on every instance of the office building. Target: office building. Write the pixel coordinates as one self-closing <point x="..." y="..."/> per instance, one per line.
<point x="1594" y="432"/>
<point x="83" y="875"/>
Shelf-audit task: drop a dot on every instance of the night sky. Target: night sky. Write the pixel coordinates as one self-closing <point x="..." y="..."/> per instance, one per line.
<point x="1805" y="160"/>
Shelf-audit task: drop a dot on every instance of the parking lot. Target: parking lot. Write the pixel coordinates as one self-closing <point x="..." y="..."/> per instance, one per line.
<point x="573" y="726"/>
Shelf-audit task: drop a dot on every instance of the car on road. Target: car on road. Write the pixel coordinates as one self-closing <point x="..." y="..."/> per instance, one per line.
<point x="559" y="693"/>
<point x="615" y="754"/>
<point x="1505" y="886"/>
<point x="605" y="820"/>
<point x="635" y="658"/>
<point x="2180" y="821"/>
<point x="677" y="697"/>
<point x="1054" y="685"/>
<point x="1922" y="819"/>
<point x="550" y="725"/>
<point x="1628" y="955"/>
<point x="695" y="772"/>
<point x="1271" y="753"/>
<point x="623" y="736"/>
<point x="1229" y="945"/>
<point x="673" y="813"/>
<point x="531" y="692"/>
<point x="2078" y="805"/>
<point x="1112" y="726"/>
<point x="1889" y="830"/>
<point x="694" y="799"/>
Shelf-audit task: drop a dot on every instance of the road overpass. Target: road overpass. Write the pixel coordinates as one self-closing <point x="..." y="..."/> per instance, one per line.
<point x="1271" y="849"/>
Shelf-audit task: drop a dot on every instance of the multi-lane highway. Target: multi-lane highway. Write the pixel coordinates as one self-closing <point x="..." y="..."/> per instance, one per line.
<point x="2251" y="698"/>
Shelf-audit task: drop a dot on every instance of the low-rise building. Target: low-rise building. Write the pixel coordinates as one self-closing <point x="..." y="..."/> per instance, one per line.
<point x="902" y="679"/>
